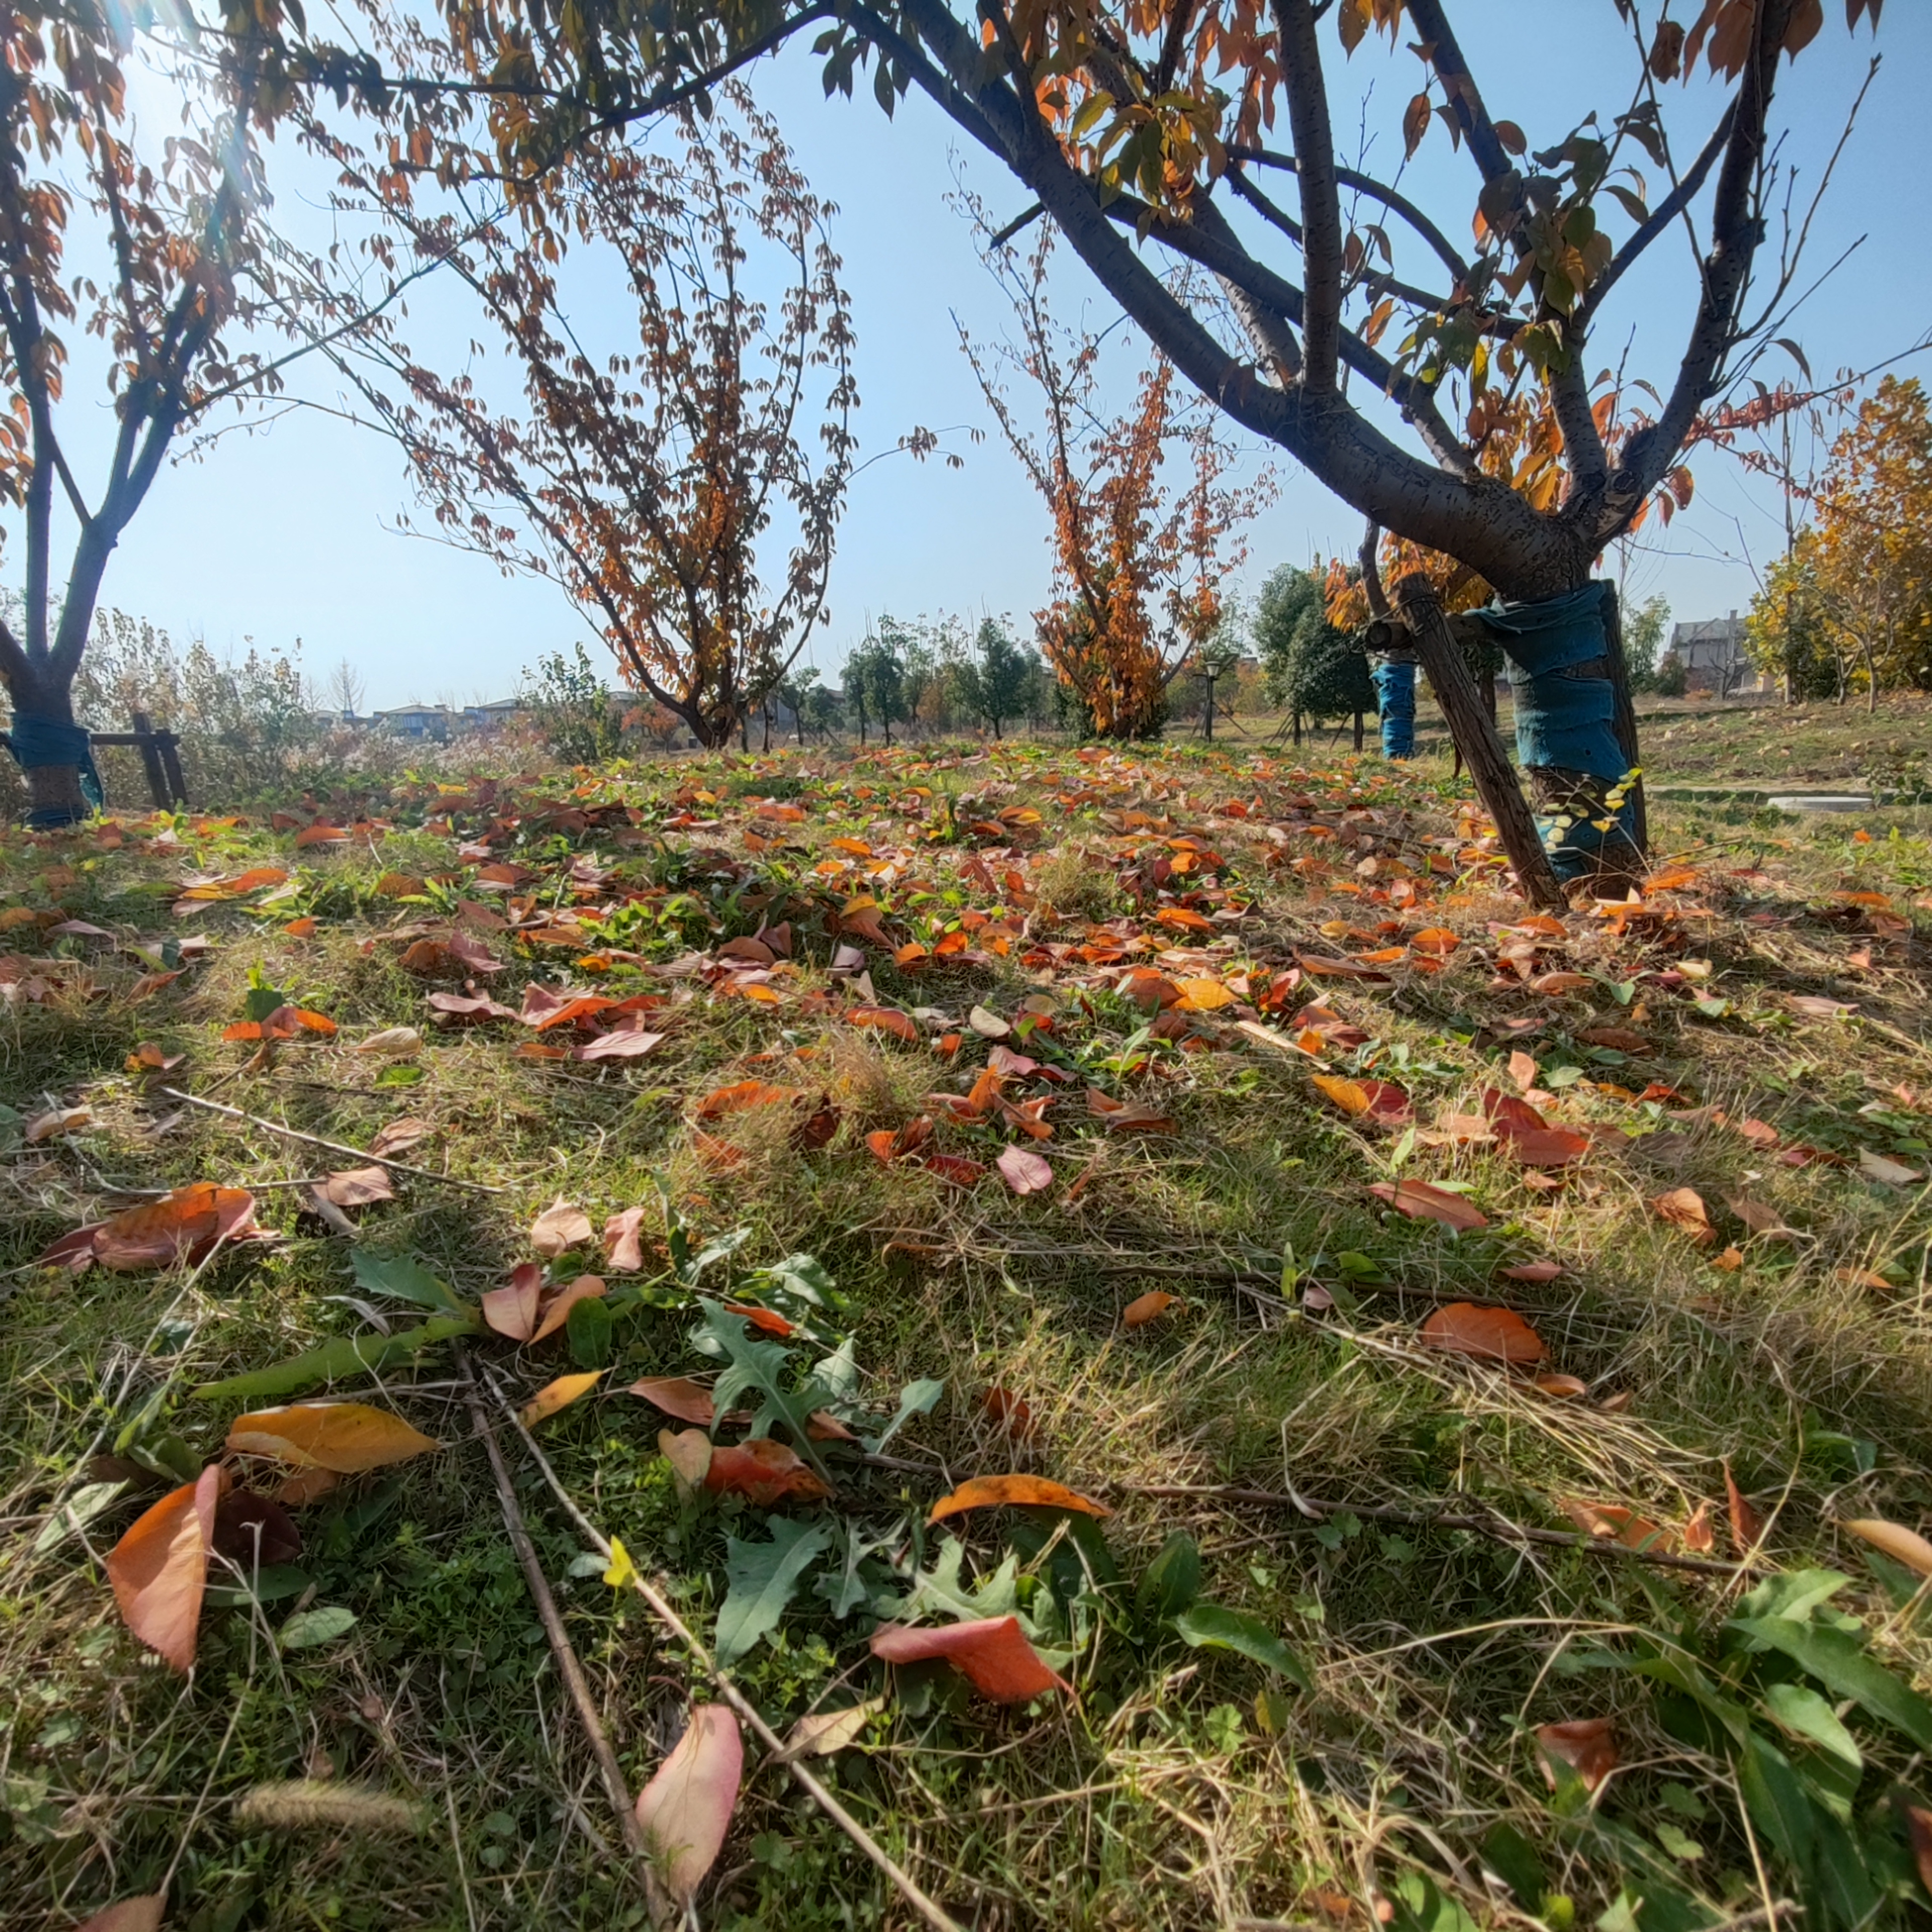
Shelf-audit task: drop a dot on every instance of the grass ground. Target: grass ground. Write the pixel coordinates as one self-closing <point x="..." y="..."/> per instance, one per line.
<point x="1153" y="926"/>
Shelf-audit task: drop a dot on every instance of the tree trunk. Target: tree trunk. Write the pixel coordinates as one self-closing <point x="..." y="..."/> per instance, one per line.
<point x="1623" y="719"/>
<point x="1296" y="716"/>
<point x="1358" y="730"/>
<point x="54" y="795"/>
<point x="1475" y="737"/>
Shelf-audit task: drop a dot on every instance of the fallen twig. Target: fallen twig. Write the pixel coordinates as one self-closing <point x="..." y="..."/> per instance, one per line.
<point x="615" y="1787"/>
<point x="1499" y="1527"/>
<point x="934" y="1914"/>
<point x="334" y="1147"/>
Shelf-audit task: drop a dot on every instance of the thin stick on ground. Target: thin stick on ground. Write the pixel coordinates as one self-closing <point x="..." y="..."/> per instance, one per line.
<point x="615" y="1787"/>
<point x="934" y="1914"/>
<point x="1499" y="1527"/>
<point x="334" y="1147"/>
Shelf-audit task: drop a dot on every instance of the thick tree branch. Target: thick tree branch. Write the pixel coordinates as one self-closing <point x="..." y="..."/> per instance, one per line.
<point x="1466" y="99"/>
<point x="1320" y="205"/>
<point x="1361" y="184"/>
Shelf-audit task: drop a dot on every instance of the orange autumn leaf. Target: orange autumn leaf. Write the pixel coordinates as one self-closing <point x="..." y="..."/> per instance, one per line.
<point x="1615" y="1523"/>
<point x="1535" y="1272"/>
<point x="1562" y="1387"/>
<point x="585" y="1287"/>
<point x="562" y="1226"/>
<point x="887" y="1019"/>
<point x="685" y="1812"/>
<point x="678" y="1395"/>
<point x="1422" y="1202"/>
<point x="1436" y="941"/>
<point x="1902" y="1545"/>
<point x="744" y="1094"/>
<point x="142" y="1914"/>
<point x="1379" y="1099"/>
<point x="159" y="1568"/>
<point x="511" y="1310"/>
<point x="1146" y="1308"/>
<point x="347" y="1437"/>
<point x="1011" y="1412"/>
<point x="1588" y="1745"/>
<point x="991" y="1492"/>
<point x="764" y="1472"/>
<point x="1684" y="1207"/>
<point x="1748" y="1527"/>
<point x="1203" y="996"/>
<point x="182" y="1226"/>
<point x="991" y="1653"/>
<point x="1489" y="1334"/>
<point x="887" y="1145"/>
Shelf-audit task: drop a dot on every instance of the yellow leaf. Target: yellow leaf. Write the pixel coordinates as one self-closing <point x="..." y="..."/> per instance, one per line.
<point x="1351" y="1096"/>
<point x="558" y="1394"/>
<point x="347" y="1437"/>
<point x="623" y="1570"/>
<point x="1203" y="996"/>
<point x="1902" y="1545"/>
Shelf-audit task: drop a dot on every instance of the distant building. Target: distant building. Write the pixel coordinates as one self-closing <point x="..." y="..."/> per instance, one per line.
<point x="1712" y="654"/>
<point x="415" y="721"/>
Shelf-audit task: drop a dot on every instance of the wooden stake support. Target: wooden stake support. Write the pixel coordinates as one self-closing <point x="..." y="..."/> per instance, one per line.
<point x="1474" y="735"/>
<point x="160" y="759"/>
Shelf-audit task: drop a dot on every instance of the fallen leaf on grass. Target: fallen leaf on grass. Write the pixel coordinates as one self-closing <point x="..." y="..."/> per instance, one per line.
<point x="1378" y="1099"/>
<point x="1009" y="1411"/>
<point x="347" y="1437"/>
<point x="130" y="1915"/>
<point x="621" y="1042"/>
<point x="358" y="1186"/>
<point x="400" y="1136"/>
<point x="159" y="1569"/>
<point x="1756" y="1215"/>
<point x="991" y="1652"/>
<point x="888" y="1144"/>
<point x="623" y="1241"/>
<point x="1684" y="1207"/>
<point x="1813" y="1007"/>
<point x="1760" y="1133"/>
<point x="1562" y="1387"/>
<point x="1748" y="1527"/>
<point x="558" y="1395"/>
<point x="1421" y="1202"/>
<point x="1902" y="1545"/>
<point x="44" y="1126"/>
<point x="678" y="1396"/>
<point x="958" y="1171"/>
<point x="685" y="1810"/>
<point x="764" y="1472"/>
<point x="1537" y="1272"/>
<point x="1623" y="1039"/>
<point x="1614" y="1522"/>
<point x="182" y="1226"/>
<point x="392" y="1042"/>
<point x="1729" y="1261"/>
<point x="1125" y="1117"/>
<point x="512" y="1309"/>
<point x="561" y="1226"/>
<point x="1035" y="1491"/>
<point x="1489" y="1334"/>
<point x="1588" y="1745"/>
<point x="1204" y="996"/>
<point x="888" y="1019"/>
<point x="744" y="1094"/>
<point x="585" y="1287"/>
<point x="820" y="1733"/>
<point x="1025" y="1172"/>
<point x="1892" y="1173"/>
<point x="1146" y="1308"/>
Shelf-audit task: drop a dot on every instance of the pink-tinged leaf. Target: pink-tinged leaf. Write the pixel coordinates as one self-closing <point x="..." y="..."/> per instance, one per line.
<point x="512" y="1311"/>
<point x="685" y="1810"/>
<point x="1025" y="1172"/>
<point x="1588" y="1745"/>
<point x="560" y="1226"/>
<point x="619" y="1043"/>
<point x="1421" y="1202"/>
<point x="159" y="1568"/>
<point x="623" y="1241"/>
<point x="992" y="1652"/>
<point x="678" y="1395"/>
<point x="1537" y="1272"/>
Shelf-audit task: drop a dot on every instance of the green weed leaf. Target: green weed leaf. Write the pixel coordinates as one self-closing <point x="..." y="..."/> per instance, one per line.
<point x="1171" y="1582"/>
<point x="335" y="1361"/>
<point x="307" y="1628"/>
<point x="1211" y="1627"/>
<point x="918" y="1398"/>
<point x="405" y="1279"/>
<point x="764" y="1578"/>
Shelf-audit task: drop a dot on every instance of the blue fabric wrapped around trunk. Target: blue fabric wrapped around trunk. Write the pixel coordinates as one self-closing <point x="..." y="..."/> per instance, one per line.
<point x="1565" y="725"/>
<point x="1395" y="698"/>
<point x="34" y="742"/>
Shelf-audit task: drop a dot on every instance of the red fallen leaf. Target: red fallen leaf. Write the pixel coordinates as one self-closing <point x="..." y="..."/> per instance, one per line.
<point x="619" y="1043"/>
<point x="991" y="1492"/>
<point x="1918" y="1831"/>
<point x="1615" y="1523"/>
<point x="764" y="1319"/>
<point x="764" y="1472"/>
<point x="1543" y="1146"/>
<point x="1531" y="1271"/>
<point x="991" y="1653"/>
<point x="1127" y="1117"/>
<point x="678" y="1396"/>
<point x="1697" y="1536"/>
<point x="1011" y="1412"/>
<point x="1748" y="1527"/>
<point x="184" y="1225"/>
<point x="425" y="956"/>
<point x="1421" y="1202"/>
<point x="956" y="1169"/>
<point x="159" y="1568"/>
<point x="1588" y="1745"/>
<point x="1622" y="1038"/>
<point x="888" y="1144"/>
<point x="820" y="1128"/>
<point x="1490" y="1334"/>
<point x="321" y="835"/>
<point x="1025" y="1172"/>
<point x="744" y="1094"/>
<point x="1146" y="1308"/>
<point x="1684" y="1207"/>
<point x="1759" y="1133"/>
<point x="1378" y="1099"/>
<point x="1509" y="1113"/>
<point x="1554" y="985"/>
<point x="685" y="1810"/>
<point x="544" y="1009"/>
<point x="888" y="1019"/>
<point x="623" y="1241"/>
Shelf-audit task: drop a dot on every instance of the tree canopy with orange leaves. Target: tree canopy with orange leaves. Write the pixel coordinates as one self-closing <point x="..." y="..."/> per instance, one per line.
<point x="1138" y="563"/>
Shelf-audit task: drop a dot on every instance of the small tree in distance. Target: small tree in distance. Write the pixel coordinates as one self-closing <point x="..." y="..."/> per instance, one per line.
<point x="996" y="683"/>
<point x="1138" y="565"/>
<point x="1313" y="669"/>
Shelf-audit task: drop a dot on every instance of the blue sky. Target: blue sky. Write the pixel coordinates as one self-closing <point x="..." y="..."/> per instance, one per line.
<point x="290" y="533"/>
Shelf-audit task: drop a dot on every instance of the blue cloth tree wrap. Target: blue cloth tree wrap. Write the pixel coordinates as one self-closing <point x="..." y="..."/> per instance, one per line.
<point x="1565" y="734"/>
<point x="1394" y="681"/>
<point x="34" y="742"/>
